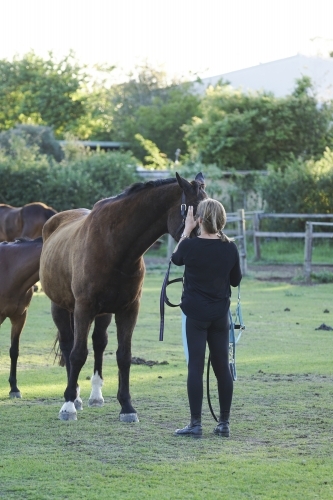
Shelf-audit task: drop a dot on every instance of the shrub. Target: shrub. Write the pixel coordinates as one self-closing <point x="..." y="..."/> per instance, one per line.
<point x="27" y="176"/>
<point x="33" y="135"/>
<point x="299" y="187"/>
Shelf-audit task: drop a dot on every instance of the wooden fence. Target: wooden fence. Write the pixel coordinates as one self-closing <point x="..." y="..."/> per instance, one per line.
<point x="309" y="235"/>
<point x="257" y="234"/>
<point x="241" y="232"/>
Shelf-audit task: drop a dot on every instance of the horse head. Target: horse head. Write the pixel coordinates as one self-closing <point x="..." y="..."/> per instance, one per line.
<point x="191" y="195"/>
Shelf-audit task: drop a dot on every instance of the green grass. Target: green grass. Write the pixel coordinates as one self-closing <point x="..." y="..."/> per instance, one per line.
<point x="282" y="415"/>
<point x="291" y="251"/>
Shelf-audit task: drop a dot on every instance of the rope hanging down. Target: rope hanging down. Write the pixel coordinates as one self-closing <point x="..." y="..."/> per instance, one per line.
<point x="164" y="298"/>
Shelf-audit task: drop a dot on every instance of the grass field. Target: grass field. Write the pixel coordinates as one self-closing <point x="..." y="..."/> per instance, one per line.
<point x="282" y="415"/>
<point x="291" y="251"/>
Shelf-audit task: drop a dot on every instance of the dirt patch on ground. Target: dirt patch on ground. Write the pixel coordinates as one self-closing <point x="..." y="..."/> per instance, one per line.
<point x="283" y="272"/>
<point x="275" y="272"/>
<point x="141" y="361"/>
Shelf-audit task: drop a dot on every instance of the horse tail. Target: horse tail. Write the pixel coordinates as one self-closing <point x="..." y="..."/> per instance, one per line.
<point x="58" y="355"/>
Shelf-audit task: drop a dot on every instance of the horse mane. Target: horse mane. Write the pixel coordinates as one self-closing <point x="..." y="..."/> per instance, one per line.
<point x="139" y="186"/>
<point x="135" y="188"/>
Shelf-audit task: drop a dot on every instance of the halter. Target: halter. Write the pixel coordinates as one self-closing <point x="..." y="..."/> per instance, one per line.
<point x="183" y="213"/>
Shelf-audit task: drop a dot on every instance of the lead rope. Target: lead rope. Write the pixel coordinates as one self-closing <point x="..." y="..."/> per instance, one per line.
<point x="164" y="298"/>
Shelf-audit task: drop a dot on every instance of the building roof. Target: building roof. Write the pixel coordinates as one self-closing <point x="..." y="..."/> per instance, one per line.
<point x="106" y="145"/>
<point x="280" y="76"/>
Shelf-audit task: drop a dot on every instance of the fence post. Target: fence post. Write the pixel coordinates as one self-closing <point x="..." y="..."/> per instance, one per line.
<point x="242" y="240"/>
<point x="256" y="240"/>
<point x="308" y="250"/>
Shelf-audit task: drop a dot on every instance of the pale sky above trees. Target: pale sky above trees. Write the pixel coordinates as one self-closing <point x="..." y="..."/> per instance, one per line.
<point x="207" y="37"/>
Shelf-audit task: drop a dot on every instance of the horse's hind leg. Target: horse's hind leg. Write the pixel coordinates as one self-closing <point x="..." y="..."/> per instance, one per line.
<point x="64" y="321"/>
<point x="100" y="341"/>
<point x="17" y="327"/>
<point x="125" y="321"/>
<point x="83" y="318"/>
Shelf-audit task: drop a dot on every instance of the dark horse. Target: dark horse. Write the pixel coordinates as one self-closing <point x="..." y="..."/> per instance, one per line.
<point x="92" y="267"/>
<point x="25" y="222"/>
<point x="19" y="271"/>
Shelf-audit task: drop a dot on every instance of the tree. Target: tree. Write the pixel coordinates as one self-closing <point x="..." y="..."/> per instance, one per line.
<point x="41" y="92"/>
<point x="149" y="105"/>
<point x="39" y="136"/>
<point x="155" y="160"/>
<point x="246" y="131"/>
<point x="300" y="187"/>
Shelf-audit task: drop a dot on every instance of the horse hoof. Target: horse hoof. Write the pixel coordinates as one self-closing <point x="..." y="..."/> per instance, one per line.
<point x="14" y="395"/>
<point x="63" y="415"/>
<point x="96" y="403"/>
<point x="78" y="404"/>
<point x="68" y="411"/>
<point x="128" y="417"/>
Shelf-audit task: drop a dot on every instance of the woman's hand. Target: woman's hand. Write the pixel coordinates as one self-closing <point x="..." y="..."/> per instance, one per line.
<point x="190" y="222"/>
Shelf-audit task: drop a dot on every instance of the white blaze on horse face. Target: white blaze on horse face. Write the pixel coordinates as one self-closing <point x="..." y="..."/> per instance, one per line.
<point x="96" y="397"/>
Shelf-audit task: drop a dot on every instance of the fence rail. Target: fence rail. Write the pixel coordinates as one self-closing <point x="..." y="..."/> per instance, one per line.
<point x="240" y="233"/>
<point x="257" y="234"/>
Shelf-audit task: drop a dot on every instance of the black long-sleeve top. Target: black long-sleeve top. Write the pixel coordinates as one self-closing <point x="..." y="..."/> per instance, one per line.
<point x="211" y="266"/>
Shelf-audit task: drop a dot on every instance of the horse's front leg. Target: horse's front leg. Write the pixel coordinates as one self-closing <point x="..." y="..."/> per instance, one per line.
<point x="100" y="341"/>
<point x="17" y="327"/>
<point x="125" y="321"/>
<point x="83" y="318"/>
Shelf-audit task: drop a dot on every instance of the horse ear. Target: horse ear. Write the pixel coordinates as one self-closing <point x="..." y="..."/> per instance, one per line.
<point x="183" y="183"/>
<point x="200" y="179"/>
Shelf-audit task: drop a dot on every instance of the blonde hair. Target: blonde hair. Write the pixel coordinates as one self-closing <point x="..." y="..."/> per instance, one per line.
<point x="213" y="216"/>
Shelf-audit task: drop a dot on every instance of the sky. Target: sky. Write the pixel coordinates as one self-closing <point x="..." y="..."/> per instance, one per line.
<point x="183" y="37"/>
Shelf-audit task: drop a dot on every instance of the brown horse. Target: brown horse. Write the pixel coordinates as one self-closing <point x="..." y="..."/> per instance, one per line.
<point x="92" y="267"/>
<point x="19" y="271"/>
<point x="25" y="222"/>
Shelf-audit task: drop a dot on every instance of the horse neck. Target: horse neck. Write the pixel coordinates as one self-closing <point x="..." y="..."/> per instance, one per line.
<point x="146" y="217"/>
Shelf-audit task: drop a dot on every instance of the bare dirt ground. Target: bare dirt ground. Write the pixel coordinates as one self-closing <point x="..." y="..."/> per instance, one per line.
<point x="282" y="272"/>
<point x="279" y="272"/>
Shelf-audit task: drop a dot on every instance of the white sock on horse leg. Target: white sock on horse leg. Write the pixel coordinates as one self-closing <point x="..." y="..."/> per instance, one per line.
<point x="96" y="397"/>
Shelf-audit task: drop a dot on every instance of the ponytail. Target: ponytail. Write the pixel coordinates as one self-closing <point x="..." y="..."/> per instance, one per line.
<point x="213" y="216"/>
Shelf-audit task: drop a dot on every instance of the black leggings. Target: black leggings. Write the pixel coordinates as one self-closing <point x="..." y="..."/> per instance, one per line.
<point x="216" y="333"/>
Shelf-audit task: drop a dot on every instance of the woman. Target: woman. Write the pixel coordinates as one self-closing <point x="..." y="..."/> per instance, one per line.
<point x="211" y="265"/>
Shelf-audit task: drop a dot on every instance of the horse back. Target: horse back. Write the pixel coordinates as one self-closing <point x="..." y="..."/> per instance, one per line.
<point x="68" y="220"/>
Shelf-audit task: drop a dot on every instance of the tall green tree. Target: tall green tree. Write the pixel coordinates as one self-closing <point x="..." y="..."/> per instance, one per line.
<point x="246" y="131"/>
<point x="41" y="91"/>
<point x="150" y="105"/>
